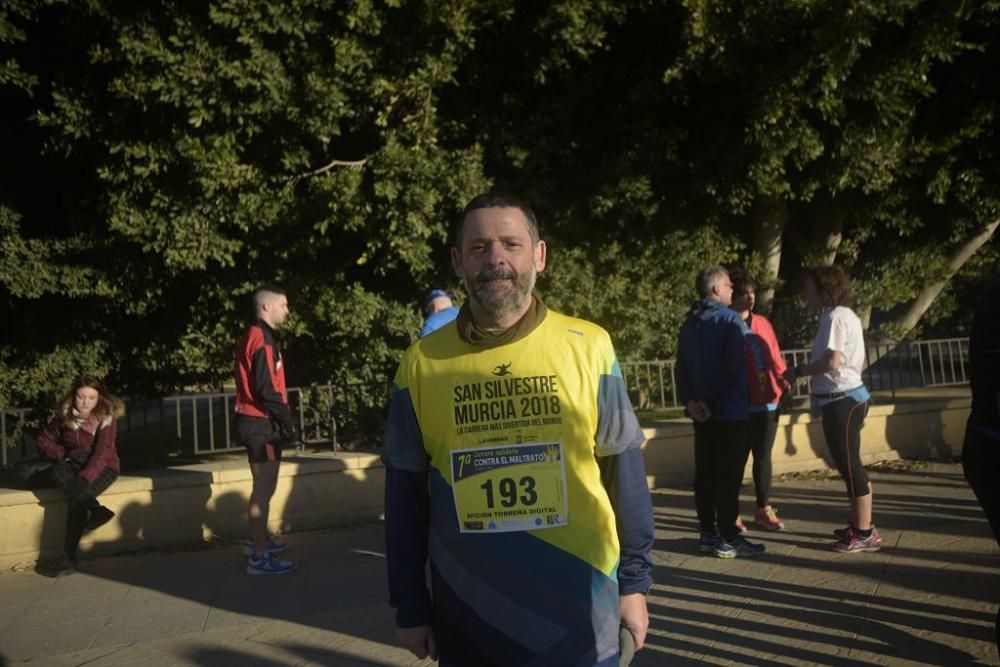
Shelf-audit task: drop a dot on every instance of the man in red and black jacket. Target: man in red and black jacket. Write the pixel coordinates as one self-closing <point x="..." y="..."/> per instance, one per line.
<point x="263" y="421"/>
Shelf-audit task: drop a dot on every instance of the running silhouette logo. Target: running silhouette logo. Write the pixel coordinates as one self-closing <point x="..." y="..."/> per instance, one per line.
<point x="502" y="369"/>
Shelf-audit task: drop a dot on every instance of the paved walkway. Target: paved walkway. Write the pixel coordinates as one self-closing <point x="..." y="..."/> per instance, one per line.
<point x="928" y="598"/>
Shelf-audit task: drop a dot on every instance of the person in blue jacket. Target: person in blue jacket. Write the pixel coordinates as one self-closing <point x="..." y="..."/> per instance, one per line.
<point x="712" y="385"/>
<point x="439" y="310"/>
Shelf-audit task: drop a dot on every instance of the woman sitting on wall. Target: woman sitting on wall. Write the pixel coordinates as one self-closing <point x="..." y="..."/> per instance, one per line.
<point x="81" y="442"/>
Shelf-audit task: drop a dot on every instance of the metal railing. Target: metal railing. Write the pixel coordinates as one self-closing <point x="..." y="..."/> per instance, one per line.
<point x="201" y="423"/>
<point x="652" y="385"/>
<point x="9" y="421"/>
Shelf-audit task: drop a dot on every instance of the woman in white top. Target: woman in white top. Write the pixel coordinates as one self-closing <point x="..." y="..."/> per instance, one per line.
<point x="838" y="355"/>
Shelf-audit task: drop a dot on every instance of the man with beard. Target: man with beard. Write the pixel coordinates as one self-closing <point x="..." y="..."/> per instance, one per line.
<point x="514" y="462"/>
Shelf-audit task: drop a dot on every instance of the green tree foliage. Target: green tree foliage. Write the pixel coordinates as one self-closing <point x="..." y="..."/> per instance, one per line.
<point x="833" y="132"/>
<point x="632" y="290"/>
<point x="163" y="158"/>
<point x="190" y="152"/>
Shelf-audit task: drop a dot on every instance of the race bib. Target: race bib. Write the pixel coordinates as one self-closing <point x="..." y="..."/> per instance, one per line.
<point x="510" y="488"/>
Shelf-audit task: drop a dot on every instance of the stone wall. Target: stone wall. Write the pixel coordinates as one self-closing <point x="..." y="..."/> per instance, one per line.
<point x="188" y="505"/>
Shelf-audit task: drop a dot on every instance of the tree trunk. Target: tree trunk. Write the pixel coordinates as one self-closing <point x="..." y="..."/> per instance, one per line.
<point x="916" y="309"/>
<point x="770" y="215"/>
<point x="828" y="232"/>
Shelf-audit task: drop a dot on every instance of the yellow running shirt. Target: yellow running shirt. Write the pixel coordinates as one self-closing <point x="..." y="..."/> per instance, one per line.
<point x="523" y="543"/>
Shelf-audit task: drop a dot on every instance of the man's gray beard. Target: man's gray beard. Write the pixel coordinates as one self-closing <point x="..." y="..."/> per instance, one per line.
<point x="501" y="300"/>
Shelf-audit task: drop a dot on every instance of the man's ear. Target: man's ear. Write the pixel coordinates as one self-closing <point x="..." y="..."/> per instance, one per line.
<point x="456" y="262"/>
<point x="540" y="253"/>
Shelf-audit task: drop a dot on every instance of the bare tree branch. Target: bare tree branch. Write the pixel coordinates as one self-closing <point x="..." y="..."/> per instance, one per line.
<point x="353" y="165"/>
<point x="959" y="257"/>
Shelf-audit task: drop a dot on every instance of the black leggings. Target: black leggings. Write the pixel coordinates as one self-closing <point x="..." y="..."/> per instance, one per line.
<point x="763" y="428"/>
<point x="63" y="475"/>
<point x="720" y="455"/>
<point x="842" y="420"/>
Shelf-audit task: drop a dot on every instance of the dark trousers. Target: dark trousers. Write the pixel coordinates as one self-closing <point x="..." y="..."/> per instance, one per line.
<point x="763" y="428"/>
<point x="78" y="507"/>
<point x="720" y="455"/>
<point x="842" y="421"/>
<point x="981" y="462"/>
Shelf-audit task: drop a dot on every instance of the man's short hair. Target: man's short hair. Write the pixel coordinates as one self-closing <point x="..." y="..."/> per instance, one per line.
<point x="496" y="199"/>
<point x="709" y="278"/>
<point x="262" y="295"/>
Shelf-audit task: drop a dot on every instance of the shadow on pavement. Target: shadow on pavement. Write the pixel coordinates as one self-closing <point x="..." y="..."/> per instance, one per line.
<point x="145" y="605"/>
<point x="928" y="596"/>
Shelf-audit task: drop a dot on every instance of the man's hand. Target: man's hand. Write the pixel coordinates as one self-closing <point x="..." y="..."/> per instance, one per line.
<point x="635" y="616"/>
<point x="420" y="641"/>
<point x="791" y="377"/>
<point x="699" y="411"/>
<point x="289" y="433"/>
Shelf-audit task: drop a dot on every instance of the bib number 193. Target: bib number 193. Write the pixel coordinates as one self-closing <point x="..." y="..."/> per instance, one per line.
<point x="510" y="488"/>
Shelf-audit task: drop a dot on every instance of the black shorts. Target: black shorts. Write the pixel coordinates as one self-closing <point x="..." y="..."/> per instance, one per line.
<point x="260" y="436"/>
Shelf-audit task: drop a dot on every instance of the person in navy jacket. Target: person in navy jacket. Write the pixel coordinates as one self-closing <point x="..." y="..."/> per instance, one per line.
<point x="712" y="385"/>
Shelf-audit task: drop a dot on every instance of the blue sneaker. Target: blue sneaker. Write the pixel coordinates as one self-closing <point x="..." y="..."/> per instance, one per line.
<point x="739" y="547"/>
<point x="268" y="564"/>
<point x="273" y="546"/>
<point x="709" y="542"/>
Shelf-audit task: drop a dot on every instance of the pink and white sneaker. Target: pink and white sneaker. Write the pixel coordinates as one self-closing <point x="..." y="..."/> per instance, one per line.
<point x="767" y="518"/>
<point x="854" y="542"/>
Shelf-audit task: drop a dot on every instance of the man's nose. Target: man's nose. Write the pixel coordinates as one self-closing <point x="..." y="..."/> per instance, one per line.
<point x="496" y="255"/>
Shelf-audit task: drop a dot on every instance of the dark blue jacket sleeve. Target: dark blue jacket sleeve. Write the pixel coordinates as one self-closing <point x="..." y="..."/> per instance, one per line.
<point x="407" y="513"/>
<point x="730" y="384"/>
<point x="685" y="383"/>
<point x="407" y="516"/>
<point x="624" y="478"/>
